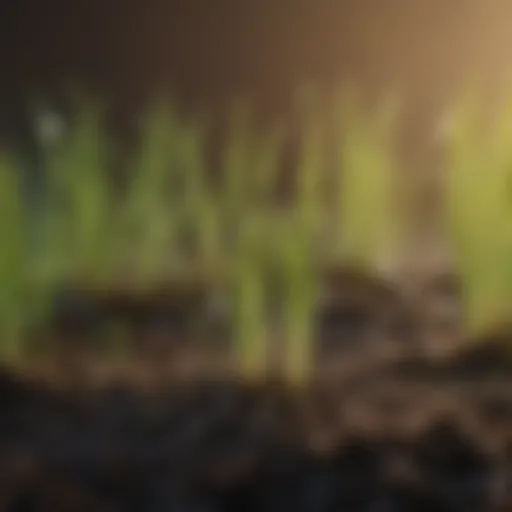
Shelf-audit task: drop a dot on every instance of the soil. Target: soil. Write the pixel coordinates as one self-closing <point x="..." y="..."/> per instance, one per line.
<point x="165" y="425"/>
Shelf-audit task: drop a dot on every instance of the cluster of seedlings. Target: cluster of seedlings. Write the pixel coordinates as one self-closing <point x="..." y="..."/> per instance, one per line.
<point x="174" y="253"/>
<point x="170" y="245"/>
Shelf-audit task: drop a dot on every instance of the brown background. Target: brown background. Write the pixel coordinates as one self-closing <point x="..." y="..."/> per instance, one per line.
<point x="208" y="51"/>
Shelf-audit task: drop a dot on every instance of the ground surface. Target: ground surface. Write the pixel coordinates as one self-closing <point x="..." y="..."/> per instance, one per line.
<point x="220" y="446"/>
<point x="385" y="425"/>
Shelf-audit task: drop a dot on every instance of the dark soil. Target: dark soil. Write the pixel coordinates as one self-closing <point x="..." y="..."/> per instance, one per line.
<point x="220" y="446"/>
<point x="164" y="425"/>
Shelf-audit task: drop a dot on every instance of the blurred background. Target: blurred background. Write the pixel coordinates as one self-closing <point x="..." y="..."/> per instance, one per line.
<point x="207" y="53"/>
<point x="174" y="278"/>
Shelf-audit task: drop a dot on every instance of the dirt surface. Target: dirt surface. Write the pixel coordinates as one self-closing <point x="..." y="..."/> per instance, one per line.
<point x="384" y="425"/>
<point x="380" y="444"/>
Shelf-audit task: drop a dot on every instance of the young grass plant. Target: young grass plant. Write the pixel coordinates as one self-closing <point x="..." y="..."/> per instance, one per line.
<point x="15" y="290"/>
<point x="235" y="194"/>
<point x="249" y="300"/>
<point x="310" y="197"/>
<point x="247" y="202"/>
<point x="367" y="217"/>
<point x="78" y="242"/>
<point x="479" y="214"/>
<point x="202" y="215"/>
<point x="154" y="200"/>
<point x="300" y="298"/>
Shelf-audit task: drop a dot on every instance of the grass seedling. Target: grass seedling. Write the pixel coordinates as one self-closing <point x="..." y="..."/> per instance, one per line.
<point x="310" y="197"/>
<point x="154" y="201"/>
<point x="479" y="215"/>
<point x="234" y="192"/>
<point x="15" y="288"/>
<point x="235" y="159"/>
<point x="264" y="164"/>
<point x="367" y="220"/>
<point x="247" y="201"/>
<point x="78" y="210"/>
<point x="300" y="299"/>
<point x="249" y="300"/>
<point x="201" y="208"/>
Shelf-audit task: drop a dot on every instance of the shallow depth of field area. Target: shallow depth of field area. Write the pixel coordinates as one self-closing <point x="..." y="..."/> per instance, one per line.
<point x="252" y="298"/>
<point x="226" y="252"/>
